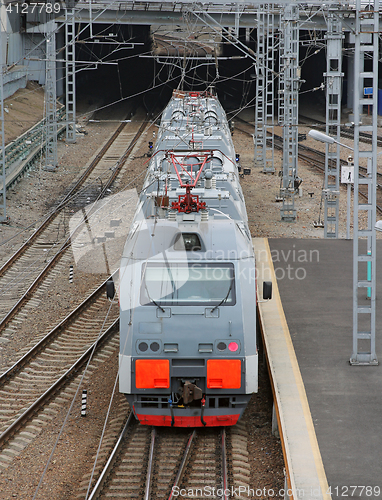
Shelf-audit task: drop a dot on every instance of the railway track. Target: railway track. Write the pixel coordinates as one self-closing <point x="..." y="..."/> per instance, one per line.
<point x="166" y="471"/>
<point x="149" y="462"/>
<point x="32" y="268"/>
<point x="345" y="131"/>
<point x="316" y="159"/>
<point x="47" y="368"/>
<point x="43" y="370"/>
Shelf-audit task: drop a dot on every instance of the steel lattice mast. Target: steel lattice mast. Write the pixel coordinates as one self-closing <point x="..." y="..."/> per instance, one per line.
<point x="333" y="80"/>
<point x="270" y="60"/>
<point x="51" y="98"/>
<point x="364" y="242"/>
<point x="70" y="65"/>
<point x="3" y="192"/>
<point x="289" y="61"/>
<point x="264" y="108"/>
<point x="259" y="136"/>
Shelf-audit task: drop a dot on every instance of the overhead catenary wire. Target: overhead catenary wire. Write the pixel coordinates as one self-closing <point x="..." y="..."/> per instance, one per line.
<point x="72" y="403"/>
<point x="166" y="82"/>
<point x="65" y="240"/>
<point x="120" y="59"/>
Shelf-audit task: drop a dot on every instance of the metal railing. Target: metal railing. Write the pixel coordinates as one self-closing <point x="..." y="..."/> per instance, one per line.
<point x="23" y="152"/>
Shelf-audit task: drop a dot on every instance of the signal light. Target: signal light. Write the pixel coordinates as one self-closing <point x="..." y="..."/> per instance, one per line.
<point x="233" y="346"/>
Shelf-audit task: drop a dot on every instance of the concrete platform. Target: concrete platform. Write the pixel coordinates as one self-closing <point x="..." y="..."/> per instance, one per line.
<point x="341" y="404"/>
<point x="305" y="472"/>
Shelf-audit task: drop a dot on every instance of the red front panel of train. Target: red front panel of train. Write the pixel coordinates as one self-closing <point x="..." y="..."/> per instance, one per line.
<point x="223" y="374"/>
<point x="152" y="373"/>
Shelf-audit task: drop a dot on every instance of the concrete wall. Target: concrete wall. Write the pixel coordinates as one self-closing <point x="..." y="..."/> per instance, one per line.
<point x="12" y="52"/>
<point x="24" y="52"/>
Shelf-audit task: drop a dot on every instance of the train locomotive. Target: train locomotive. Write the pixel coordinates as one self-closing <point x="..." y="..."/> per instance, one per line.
<point x="187" y="280"/>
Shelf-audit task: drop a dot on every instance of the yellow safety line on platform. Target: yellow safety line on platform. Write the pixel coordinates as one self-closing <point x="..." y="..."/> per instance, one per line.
<point x="292" y="407"/>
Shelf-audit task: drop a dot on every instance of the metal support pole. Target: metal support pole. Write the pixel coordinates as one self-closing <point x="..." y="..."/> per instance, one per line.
<point x="264" y="108"/>
<point x="259" y="137"/>
<point x="348" y="211"/>
<point x="333" y="80"/>
<point x="70" y="66"/>
<point x="291" y="76"/>
<point x="364" y="241"/>
<point x="270" y="59"/>
<point x="50" y="98"/>
<point x="3" y="192"/>
<point x="281" y="87"/>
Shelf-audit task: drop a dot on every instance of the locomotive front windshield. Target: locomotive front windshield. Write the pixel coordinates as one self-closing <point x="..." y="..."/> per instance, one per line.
<point x="176" y="284"/>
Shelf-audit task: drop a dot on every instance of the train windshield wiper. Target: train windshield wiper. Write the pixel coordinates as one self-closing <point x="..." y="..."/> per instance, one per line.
<point x="152" y="300"/>
<point x="174" y="288"/>
<point x="223" y="300"/>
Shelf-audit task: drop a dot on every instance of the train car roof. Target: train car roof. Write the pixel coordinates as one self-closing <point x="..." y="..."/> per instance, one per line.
<point x="161" y="239"/>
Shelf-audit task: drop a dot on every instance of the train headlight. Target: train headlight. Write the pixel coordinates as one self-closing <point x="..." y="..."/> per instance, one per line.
<point x="233" y="346"/>
<point x="142" y="346"/>
<point x="154" y="346"/>
<point x="227" y="346"/>
<point x="222" y="346"/>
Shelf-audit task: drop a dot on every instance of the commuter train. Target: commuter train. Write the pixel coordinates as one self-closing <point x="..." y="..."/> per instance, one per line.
<point x="187" y="281"/>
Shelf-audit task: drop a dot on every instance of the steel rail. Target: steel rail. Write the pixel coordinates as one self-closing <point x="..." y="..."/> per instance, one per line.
<point x="49" y="337"/>
<point x="123" y="158"/>
<point x="113" y="176"/>
<point x="63" y="202"/>
<point x="345" y="132"/>
<point x="149" y="476"/>
<point x="22" y="419"/>
<point x="4" y="321"/>
<point x="313" y="162"/>
<point x="301" y="147"/>
<point x="183" y="464"/>
<point x="321" y="168"/>
<point x="111" y="460"/>
<point x="226" y="494"/>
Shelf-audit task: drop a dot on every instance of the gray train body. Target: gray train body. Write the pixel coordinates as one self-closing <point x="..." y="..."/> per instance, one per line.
<point x="188" y="350"/>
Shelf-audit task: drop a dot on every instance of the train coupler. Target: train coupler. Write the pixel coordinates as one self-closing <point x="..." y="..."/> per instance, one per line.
<point x="191" y="392"/>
